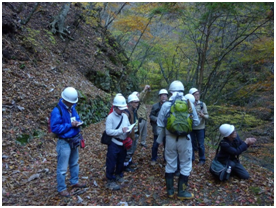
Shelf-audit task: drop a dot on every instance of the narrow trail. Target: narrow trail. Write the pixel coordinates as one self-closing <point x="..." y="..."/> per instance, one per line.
<point x="144" y="187"/>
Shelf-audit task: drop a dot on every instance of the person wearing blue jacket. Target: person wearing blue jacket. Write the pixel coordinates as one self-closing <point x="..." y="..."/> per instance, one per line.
<point x="231" y="147"/>
<point x="65" y="124"/>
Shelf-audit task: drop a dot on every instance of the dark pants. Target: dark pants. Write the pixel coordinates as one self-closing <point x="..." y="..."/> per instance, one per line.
<point x="115" y="158"/>
<point x="238" y="169"/>
<point x="154" y="149"/>
<point x="198" y="143"/>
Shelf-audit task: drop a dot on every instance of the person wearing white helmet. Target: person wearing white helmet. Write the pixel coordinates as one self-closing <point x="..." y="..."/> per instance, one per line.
<point x="65" y="124"/>
<point x="116" y="126"/>
<point x="231" y="147"/>
<point x="143" y="115"/>
<point x="111" y="109"/>
<point x="131" y="112"/>
<point x="181" y="147"/>
<point x="190" y="97"/>
<point x="198" y="133"/>
<point x="163" y="97"/>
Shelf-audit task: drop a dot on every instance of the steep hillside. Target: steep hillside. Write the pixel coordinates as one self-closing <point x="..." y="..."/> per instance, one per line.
<point x="38" y="65"/>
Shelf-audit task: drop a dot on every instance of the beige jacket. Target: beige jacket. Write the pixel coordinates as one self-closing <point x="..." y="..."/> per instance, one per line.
<point x="204" y="111"/>
<point x="142" y="110"/>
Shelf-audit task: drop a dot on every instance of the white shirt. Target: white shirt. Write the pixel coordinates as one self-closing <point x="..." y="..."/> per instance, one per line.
<point x="112" y="122"/>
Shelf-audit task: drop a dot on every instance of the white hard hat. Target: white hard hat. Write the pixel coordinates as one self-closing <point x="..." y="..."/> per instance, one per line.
<point x="163" y="91"/>
<point x="70" y="94"/>
<point x="135" y="93"/>
<point x="120" y="102"/>
<point x="176" y="86"/>
<point x="118" y="94"/>
<point x="193" y="90"/>
<point x="132" y="97"/>
<point x="190" y="97"/>
<point x="226" y="129"/>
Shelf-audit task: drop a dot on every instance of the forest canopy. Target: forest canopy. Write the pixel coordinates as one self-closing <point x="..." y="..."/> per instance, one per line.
<point x="220" y="48"/>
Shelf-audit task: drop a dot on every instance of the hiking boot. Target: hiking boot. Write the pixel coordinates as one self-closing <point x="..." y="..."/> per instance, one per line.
<point x="64" y="193"/>
<point x="112" y="185"/>
<point x="169" y="184"/>
<point x="133" y="164"/>
<point x="153" y="162"/>
<point x="201" y="163"/>
<point x="79" y="185"/>
<point x="120" y="179"/>
<point x="128" y="169"/>
<point x="182" y="188"/>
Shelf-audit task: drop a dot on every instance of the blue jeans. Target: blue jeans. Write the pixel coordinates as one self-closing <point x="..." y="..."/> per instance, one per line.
<point x="66" y="156"/>
<point x="198" y="144"/>
<point x="238" y="169"/>
<point x="115" y="158"/>
<point x="154" y="149"/>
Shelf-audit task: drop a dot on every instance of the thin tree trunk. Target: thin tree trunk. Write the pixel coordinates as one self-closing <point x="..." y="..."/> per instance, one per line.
<point x="140" y="38"/>
<point x="163" y="73"/>
<point x="24" y="22"/>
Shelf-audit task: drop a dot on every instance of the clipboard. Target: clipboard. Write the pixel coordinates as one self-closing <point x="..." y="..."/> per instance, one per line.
<point x="130" y="127"/>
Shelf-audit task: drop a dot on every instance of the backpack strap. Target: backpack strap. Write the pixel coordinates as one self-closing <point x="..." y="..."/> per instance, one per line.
<point x="201" y="105"/>
<point x="120" y="122"/>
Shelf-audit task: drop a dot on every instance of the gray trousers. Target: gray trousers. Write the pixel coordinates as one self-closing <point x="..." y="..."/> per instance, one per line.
<point x="143" y="131"/>
<point x="182" y="148"/>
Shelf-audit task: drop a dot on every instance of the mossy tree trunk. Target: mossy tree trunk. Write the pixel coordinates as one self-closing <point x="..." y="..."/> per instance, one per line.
<point x="58" y="24"/>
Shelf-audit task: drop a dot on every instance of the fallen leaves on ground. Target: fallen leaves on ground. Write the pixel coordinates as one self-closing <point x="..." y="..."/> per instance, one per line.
<point x="29" y="178"/>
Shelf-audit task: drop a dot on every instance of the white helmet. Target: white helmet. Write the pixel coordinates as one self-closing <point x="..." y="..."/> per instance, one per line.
<point x="190" y="97"/>
<point x="193" y="90"/>
<point x="163" y="91"/>
<point x="176" y="86"/>
<point x="120" y="102"/>
<point x="135" y="93"/>
<point x="226" y="129"/>
<point x="118" y="94"/>
<point x="132" y="97"/>
<point x="70" y="94"/>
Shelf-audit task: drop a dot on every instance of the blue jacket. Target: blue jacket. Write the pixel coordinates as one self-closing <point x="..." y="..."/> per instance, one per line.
<point x="61" y="125"/>
<point x="231" y="150"/>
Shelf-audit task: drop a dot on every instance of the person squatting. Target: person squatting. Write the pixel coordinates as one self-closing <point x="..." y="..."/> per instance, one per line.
<point x="179" y="148"/>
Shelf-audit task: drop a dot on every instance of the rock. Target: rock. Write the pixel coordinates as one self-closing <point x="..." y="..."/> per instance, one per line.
<point x="34" y="176"/>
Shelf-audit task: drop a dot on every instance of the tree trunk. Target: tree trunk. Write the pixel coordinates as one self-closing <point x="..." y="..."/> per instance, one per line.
<point x="25" y="21"/>
<point x="58" y="24"/>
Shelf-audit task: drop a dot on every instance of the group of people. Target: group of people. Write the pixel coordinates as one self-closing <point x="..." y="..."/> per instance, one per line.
<point x="179" y="151"/>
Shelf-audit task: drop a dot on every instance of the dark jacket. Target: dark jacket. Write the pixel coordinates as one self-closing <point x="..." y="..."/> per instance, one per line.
<point x="153" y="116"/>
<point x="61" y="125"/>
<point x="231" y="150"/>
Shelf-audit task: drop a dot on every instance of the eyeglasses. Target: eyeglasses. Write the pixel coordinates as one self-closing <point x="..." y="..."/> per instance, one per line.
<point x="196" y="94"/>
<point x="136" y="102"/>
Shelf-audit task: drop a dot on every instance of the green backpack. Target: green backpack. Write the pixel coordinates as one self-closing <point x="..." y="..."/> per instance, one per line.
<point x="179" y="120"/>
